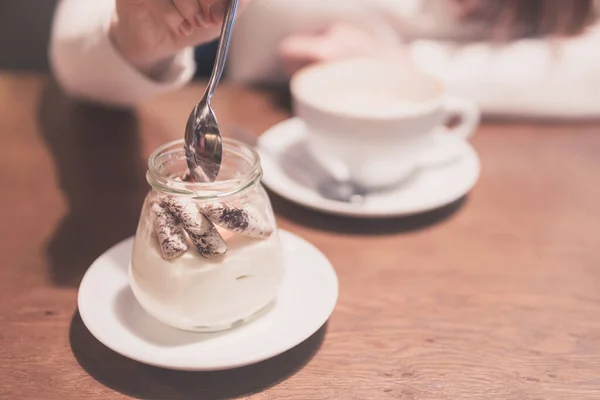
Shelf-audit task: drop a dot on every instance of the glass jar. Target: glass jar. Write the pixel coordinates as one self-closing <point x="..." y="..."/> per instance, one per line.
<point x="206" y="256"/>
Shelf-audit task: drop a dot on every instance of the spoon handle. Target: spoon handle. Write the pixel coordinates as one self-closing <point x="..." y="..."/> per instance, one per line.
<point x="219" y="66"/>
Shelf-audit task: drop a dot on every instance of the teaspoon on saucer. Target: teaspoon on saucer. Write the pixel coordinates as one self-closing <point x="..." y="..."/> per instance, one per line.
<point x="328" y="187"/>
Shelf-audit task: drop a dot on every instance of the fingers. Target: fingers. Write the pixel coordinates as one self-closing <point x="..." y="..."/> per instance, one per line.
<point x="192" y="12"/>
<point x="338" y="42"/>
<point x="215" y="9"/>
<point x="299" y="51"/>
<point x="184" y="16"/>
<point x="173" y="17"/>
<point x="303" y="48"/>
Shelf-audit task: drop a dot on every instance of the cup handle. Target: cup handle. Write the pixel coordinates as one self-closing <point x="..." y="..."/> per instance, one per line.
<point x="469" y="115"/>
<point x="445" y="151"/>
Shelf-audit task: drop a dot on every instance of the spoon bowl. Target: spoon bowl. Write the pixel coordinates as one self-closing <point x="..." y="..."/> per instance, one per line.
<point x="203" y="144"/>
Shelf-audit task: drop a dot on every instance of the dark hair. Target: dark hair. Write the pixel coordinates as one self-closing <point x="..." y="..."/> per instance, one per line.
<point x="513" y="19"/>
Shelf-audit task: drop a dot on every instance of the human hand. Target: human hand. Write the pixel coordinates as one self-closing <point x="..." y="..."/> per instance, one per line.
<point x="148" y="33"/>
<point x="340" y="41"/>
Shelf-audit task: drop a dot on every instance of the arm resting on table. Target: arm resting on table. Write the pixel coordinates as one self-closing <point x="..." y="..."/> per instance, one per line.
<point x="528" y="78"/>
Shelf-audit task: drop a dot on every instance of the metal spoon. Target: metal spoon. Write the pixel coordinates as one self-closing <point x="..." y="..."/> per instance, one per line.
<point x="203" y="144"/>
<point x="344" y="191"/>
<point x="328" y="187"/>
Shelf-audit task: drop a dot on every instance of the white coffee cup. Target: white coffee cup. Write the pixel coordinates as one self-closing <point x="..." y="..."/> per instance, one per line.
<point x="374" y="122"/>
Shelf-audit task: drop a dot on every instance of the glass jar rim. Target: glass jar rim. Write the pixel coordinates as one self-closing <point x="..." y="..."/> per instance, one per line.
<point x="203" y="190"/>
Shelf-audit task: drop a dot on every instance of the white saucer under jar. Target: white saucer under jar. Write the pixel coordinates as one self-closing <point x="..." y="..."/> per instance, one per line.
<point x="206" y="256"/>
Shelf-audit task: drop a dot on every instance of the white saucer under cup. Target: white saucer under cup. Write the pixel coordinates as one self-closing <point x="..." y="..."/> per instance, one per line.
<point x="306" y="299"/>
<point x="290" y="172"/>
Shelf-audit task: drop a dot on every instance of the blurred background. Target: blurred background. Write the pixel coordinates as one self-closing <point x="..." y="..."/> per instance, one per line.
<point x="24" y="32"/>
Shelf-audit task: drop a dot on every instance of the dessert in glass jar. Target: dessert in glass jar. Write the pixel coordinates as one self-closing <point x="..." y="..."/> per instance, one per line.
<point x="206" y="256"/>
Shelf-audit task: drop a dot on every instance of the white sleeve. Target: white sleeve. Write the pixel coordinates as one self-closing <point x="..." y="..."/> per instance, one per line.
<point x="528" y="78"/>
<point x="86" y="64"/>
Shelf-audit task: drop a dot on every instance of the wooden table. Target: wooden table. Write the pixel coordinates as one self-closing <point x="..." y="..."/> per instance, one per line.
<point x="495" y="297"/>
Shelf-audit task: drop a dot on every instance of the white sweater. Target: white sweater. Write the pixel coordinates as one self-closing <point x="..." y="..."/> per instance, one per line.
<point x="530" y="77"/>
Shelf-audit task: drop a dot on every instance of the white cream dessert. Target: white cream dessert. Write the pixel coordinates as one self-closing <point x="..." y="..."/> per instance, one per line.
<point x="210" y="271"/>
